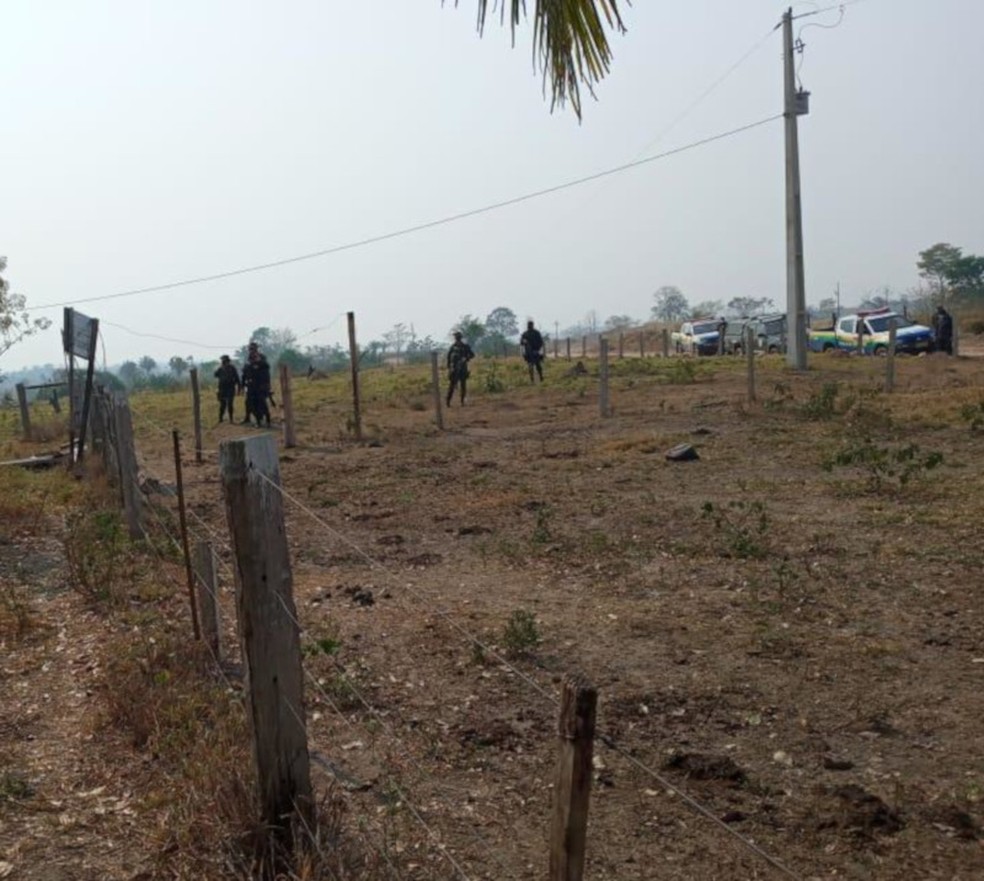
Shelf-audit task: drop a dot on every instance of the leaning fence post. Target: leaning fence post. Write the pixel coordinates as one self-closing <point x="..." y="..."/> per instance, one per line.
<point x="568" y="348"/>
<point x="621" y="346"/>
<point x="750" y="361"/>
<point x="268" y="629"/>
<point x="354" y="366"/>
<point x="25" y="411"/>
<point x="126" y="458"/>
<point x="196" y="403"/>
<point x="208" y="596"/>
<point x="436" y="390"/>
<point x="584" y="347"/>
<point x="572" y="786"/>
<point x="183" y="524"/>
<point x="666" y="342"/>
<point x="642" y="344"/>
<point x="603" y="374"/>
<point x="287" y="403"/>
<point x="890" y="357"/>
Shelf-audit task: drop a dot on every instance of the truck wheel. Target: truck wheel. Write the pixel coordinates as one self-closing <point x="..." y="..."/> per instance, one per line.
<point x="828" y="347"/>
<point x="773" y="349"/>
<point x="880" y="351"/>
<point x="737" y="350"/>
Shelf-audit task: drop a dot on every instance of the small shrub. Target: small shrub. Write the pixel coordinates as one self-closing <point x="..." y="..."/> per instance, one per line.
<point x="973" y="415"/>
<point x="741" y="525"/>
<point x="16" y="615"/>
<point x="682" y="372"/>
<point x="541" y="531"/>
<point x="521" y="635"/>
<point x="885" y="466"/>
<point x="822" y="404"/>
<point x="491" y="381"/>
<point x="97" y="551"/>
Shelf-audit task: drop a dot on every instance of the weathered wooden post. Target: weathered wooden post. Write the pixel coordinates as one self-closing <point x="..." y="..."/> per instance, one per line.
<point x="287" y="402"/>
<point x="955" y="338"/>
<point x="859" y="329"/>
<point x="642" y="344"/>
<point x="436" y="390"/>
<point x="183" y="524"/>
<point x="208" y="596"/>
<point x="572" y="787"/>
<point x="621" y="345"/>
<point x="268" y="629"/>
<point x="568" y="348"/>
<point x="750" y="361"/>
<point x="603" y="374"/>
<point x="584" y="347"/>
<point x="666" y="342"/>
<point x="196" y="405"/>
<point x="354" y="361"/>
<point x="890" y="357"/>
<point x="25" y="411"/>
<point x="126" y="459"/>
<point x="556" y="347"/>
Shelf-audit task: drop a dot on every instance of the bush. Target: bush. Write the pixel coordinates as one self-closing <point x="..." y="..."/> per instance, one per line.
<point x="100" y="564"/>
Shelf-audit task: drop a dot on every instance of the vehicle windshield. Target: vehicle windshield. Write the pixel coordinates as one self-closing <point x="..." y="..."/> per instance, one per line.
<point x="705" y="327"/>
<point x="774" y="327"/>
<point x="879" y="324"/>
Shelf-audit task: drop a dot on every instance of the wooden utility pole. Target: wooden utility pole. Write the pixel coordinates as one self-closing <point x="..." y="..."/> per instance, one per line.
<point x="572" y="786"/>
<point x="354" y="359"/>
<point x="268" y="630"/>
<point x="183" y="524"/>
<point x="196" y="406"/>
<point x="436" y="390"/>
<point x="287" y="403"/>
<point x="25" y="411"/>
<point x="208" y="597"/>
<point x="603" y="374"/>
<point x="795" y="275"/>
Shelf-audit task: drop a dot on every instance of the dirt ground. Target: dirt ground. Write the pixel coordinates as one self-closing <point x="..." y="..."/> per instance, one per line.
<point x="799" y="650"/>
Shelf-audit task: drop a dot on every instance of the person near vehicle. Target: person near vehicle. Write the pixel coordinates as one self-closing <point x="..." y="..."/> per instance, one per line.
<point x="459" y="355"/>
<point x="943" y="330"/>
<point x="229" y="385"/>
<point x="531" y="343"/>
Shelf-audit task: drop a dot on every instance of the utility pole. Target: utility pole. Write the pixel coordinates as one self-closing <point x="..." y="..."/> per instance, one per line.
<point x="795" y="276"/>
<point x="838" y="299"/>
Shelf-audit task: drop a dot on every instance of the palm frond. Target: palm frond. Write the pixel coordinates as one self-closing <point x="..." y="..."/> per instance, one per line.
<point x="570" y="42"/>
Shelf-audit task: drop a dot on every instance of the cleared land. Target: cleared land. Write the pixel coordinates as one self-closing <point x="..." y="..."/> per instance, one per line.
<point x="788" y="629"/>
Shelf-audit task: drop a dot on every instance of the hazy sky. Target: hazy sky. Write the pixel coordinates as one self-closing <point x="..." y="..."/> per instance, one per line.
<point x="145" y="143"/>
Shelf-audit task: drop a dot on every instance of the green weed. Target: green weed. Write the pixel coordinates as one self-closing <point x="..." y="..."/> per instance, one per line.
<point x="822" y="404"/>
<point x="742" y="527"/>
<point x="521" y="635"/>
<point x="885" y="466"/>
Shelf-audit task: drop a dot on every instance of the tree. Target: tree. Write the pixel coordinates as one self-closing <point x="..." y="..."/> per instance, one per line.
<point x="591" y="321"/>
<point x="178" y="365"/>
<point x="272" y="341"/>
<point x="129" y="373"/>
<point x="148" y="365"/>
<point x="671" y="305"/>
<point x="937" y="265"/>
<point x="15" y="321"/>
<point x="471" y="328"/>
<point x="396" y="338"/>
<point x="569" y="40"/>
<point x="745" y="306"/>
<point x="618" y="322"/>
<point x="706" y="309"/>
<point x="296" y="362"/>
<point x="500" y="325"/>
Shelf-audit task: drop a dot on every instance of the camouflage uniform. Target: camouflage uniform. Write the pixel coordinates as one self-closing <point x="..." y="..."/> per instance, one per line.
<point x="531" y="342"/>
<point x="229" y="384"/>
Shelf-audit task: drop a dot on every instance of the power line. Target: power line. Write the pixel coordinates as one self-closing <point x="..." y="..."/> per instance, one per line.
<point x="156" y="336"/>
<point x="420" y="227"/>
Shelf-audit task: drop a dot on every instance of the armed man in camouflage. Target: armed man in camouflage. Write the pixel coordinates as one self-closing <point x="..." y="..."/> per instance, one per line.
<point x="229" y="385"/>
<point x="459" y="355"/>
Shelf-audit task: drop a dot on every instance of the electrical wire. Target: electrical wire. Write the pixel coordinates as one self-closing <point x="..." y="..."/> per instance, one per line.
<point x="166" y="339"/>
<point x="420" y="227"/>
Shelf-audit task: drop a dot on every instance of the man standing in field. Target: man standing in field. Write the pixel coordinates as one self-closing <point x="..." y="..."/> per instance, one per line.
<point x="229" y="385"/>
<point x="256" y="382"/>
<point x="531" y="342"/>
<point x="459" y="355"/>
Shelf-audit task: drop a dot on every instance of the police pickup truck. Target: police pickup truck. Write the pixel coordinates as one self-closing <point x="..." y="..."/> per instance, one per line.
<point x="697" y="337"/>
<point x="868" y="331"/>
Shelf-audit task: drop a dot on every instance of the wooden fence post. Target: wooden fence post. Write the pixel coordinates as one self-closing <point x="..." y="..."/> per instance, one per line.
<point x="584" y="347"/>
<point x="572" y="786"/>
<point x="603" y="374"/>
<point x="568" y="348"/>
<point x="955" y="339"/>
<point x="621" y="346"/>
<point x="25" y="411"/>
<point x="208" y="596"/>
<point x="666" y="342"/>
<point x="556" y="347"/>
<point x="196" y="404"/>
<point x="436" y="390"/>
<point x="750" y="361"/>
<point x="126" y="458"/>
<point x="890" y="357"/>
<point x="642" y="344"/>
<point x="268" y="629"/>
<point x="354" y="360"/>
<point x="287" y="403"/>
<point x="183" y="524"/>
